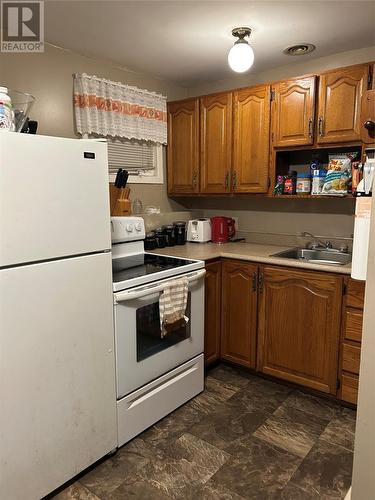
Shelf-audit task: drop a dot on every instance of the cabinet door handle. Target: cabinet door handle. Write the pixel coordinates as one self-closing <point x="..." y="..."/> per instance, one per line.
<point x="321" y="126"/>
<point x="234" y="180"/>
<point x="254" y="281"/>
<point x="310" y="127"/>
<point x="261" y="281"/>
<point x="369" y="125"/>
<point x="226" y="181"/>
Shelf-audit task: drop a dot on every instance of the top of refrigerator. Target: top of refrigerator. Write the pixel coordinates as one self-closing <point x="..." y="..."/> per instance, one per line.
<point x="54" y="199"/>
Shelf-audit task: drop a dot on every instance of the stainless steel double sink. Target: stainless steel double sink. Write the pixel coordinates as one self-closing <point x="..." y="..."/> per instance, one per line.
<point x="326" y="256"/>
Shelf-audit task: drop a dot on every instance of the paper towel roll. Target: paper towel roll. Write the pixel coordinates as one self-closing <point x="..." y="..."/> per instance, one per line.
<point x="361" y="238"/>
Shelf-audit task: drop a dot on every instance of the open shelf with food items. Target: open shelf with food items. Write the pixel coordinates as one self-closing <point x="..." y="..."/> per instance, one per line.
<point x="317" y="173"/>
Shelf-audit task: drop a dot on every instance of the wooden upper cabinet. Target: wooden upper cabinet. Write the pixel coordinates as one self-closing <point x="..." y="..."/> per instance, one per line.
<point x="216" y="143"/>
<point x="293" y="112"/>
<point x="340" y="104"/>
<point x="183" y="147"/>
<point x="251" y="140"/>
<point x="212" y="317"/>
<point x="299" y="327"/>
<point x="367" y="119"/>
<point x="239" y="312"/>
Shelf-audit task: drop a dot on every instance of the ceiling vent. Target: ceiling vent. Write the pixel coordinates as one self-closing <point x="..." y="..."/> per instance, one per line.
<point x="299" y="50"/>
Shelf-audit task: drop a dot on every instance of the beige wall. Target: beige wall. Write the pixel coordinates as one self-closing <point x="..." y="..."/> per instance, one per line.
<point x="48" y="76"/>
<point x="262" y="220"/>
<point x="296" y="67"/>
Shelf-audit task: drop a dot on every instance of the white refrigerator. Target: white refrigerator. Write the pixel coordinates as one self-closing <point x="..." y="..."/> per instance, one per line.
<point x="57" y="372"/>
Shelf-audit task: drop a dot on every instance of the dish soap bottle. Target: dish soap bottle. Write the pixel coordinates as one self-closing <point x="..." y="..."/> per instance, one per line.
<point x="6" y="110"/>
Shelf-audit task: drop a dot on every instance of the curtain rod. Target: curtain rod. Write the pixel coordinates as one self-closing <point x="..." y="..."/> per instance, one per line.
<point x="120" y="84"/>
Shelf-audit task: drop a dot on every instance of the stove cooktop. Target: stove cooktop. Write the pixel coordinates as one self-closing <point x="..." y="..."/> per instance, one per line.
<point x="140" y="268"/>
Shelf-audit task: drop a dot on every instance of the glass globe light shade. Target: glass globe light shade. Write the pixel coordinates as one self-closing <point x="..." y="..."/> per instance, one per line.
<point x="241" y="57"/>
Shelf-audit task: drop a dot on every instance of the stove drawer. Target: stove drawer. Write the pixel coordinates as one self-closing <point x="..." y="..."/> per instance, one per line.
<point x="141" y="409"/>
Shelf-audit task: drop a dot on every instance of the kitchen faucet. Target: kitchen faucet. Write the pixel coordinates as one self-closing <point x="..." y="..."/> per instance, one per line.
<point x="317" y="243"/>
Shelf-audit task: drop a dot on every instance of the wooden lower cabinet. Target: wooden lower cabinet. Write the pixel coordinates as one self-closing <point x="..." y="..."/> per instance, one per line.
<point x="239" y="312"/>
<point x="212" y="312"/>
<point x="353" y="324"/>
<point x="299" y="326"/>
<point x="350" y="351"/>
<point x="355" y="294"/>
<point x="349" y="388"/>
<point x="351" y="356"/>
<point x="292" y="324"/>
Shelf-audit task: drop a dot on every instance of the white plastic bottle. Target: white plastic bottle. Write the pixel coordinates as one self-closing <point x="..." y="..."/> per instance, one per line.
<point x="6" y="110"/>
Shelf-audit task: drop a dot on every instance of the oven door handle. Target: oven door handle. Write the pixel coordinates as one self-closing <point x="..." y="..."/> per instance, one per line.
<point x="154" y="288"/>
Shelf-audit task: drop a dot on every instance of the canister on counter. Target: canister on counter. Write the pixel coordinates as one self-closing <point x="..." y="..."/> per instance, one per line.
<point x="180" y="232"/>
<point x="170" y="235"/>
<point x="150" y="241"/>
<point x="161" y="239"/>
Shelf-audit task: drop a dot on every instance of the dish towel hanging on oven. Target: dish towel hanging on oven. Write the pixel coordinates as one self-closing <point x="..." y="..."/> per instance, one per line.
<point x="172" y="306"/>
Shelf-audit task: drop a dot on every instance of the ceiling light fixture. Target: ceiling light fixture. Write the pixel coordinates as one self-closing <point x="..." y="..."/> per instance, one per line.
<point x="241" y="55"/>
<point x="299" y="50"/>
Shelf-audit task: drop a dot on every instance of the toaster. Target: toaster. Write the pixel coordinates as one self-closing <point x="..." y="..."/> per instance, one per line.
<point x="199" y="230"/>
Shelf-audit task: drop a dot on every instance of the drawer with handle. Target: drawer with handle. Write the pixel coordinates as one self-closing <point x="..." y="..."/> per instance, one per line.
<point x="351" y="355"/>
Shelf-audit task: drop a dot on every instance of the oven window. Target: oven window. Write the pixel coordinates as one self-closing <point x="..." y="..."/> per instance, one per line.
<point x="149" y="341"/>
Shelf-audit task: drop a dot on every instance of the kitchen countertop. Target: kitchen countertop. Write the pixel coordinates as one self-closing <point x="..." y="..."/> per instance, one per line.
<point x="246" y="251"/>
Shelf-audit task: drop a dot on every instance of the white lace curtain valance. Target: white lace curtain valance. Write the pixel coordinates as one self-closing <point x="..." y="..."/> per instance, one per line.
<point x="113" y="109"/>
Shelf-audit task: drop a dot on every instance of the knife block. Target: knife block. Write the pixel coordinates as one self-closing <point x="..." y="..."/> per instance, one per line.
<point x="120" y="205"/>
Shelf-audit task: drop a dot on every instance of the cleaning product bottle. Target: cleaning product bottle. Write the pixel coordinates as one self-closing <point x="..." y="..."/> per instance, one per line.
<point x="6" y="110"/>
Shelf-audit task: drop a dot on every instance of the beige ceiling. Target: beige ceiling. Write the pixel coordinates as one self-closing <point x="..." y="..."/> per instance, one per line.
<point x="187" y="41"/>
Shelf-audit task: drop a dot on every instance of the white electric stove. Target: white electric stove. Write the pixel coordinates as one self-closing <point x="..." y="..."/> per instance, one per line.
<point x="154" y="375"/>
<point x="132" y="266"/>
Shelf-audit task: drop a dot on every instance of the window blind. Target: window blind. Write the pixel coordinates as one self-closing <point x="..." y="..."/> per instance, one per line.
<point x="133" y="156"/>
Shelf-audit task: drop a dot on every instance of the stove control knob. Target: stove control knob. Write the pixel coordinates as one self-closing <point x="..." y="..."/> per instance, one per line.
<point x="129" y="228"/>
<point x="138" y="226"/>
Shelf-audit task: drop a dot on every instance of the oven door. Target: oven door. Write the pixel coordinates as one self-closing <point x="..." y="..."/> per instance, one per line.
<point x="141" y="353"/>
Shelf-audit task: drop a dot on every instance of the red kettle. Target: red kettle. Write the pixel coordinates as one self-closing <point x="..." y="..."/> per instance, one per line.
<point x="222" y="229"/>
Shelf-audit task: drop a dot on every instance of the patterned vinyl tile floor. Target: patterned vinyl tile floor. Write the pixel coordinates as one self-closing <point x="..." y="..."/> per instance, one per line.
<point x="242" y="438"/>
